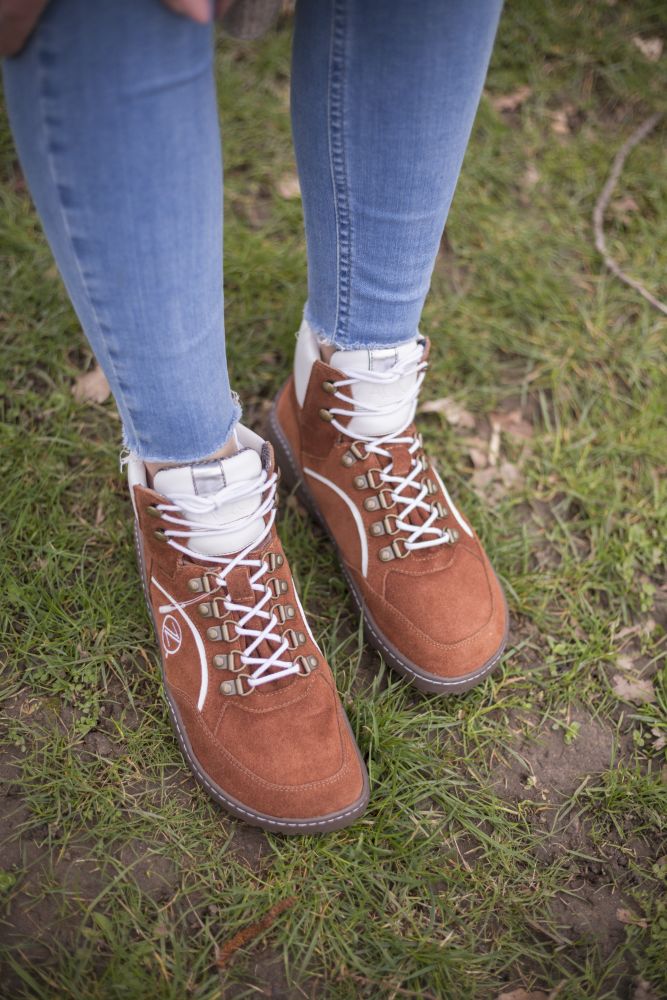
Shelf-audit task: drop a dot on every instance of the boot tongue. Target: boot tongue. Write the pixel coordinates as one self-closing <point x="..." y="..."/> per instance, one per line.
<point x="206" y="479"/>
<point x="395" y="395"/>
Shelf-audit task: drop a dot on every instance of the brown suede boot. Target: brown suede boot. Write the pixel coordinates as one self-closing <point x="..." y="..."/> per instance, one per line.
<point x="251" y="696"/>
<point x="344" y="431"/>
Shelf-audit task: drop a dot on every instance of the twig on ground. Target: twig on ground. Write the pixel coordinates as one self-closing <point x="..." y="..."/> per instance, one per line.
<point x="603" y="201"/>
<point x="252" y="931"/>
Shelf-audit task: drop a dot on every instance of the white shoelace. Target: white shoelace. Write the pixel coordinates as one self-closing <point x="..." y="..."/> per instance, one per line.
<point x="268" y="669"/>
<point x="406" y="491"/>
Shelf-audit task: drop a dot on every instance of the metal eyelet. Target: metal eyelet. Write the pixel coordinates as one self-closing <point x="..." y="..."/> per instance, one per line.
<point x="235" y="686"/>
<point x="160" y="535"/>
<point x="152" y="511"/>
<point x="326" y="415"/>
<point x="385" y="499"/>
<point x="374" y="477"/>
<point x="275" y="560"/>
<point x="295" y="639"/>
<point x="329" y="387"/>
<point x="358" y="450"/>
<point x="440" y="509"/>
<point x="212" y="609"/>
<point x="276" y="586"/>
<point x="306" y="664"/>
<point x="387" y="526"/>
<point x="360" y="482"/>
<point x="430" y="486"/>
<point x="221" y="633"/>
<point x="393" y="551"/>
<point x="228" y="661"/>
<point x="199" y="584"/>
<point x="347" y="459"/>
<point x="284" y="612"/>
<point x="371" y="503"/>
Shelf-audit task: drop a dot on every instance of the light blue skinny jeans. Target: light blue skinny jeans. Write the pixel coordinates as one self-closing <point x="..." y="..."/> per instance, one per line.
<point x="113" y="108"/>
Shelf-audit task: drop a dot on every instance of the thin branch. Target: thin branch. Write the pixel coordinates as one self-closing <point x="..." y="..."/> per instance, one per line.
<point x="603" y="201"/>
<point x="252" y="931"/>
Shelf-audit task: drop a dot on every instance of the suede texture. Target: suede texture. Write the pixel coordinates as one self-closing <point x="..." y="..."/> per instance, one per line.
<point x="441" y="608"/>
<point x="285" y="750"/>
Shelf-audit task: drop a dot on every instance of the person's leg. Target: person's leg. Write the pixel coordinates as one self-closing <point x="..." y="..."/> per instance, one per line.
<point x="384" y="95"/>
<point x="113" y="109"/>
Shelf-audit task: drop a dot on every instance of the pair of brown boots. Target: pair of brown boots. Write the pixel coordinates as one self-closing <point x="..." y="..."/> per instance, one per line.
<point x="251" y="696"/>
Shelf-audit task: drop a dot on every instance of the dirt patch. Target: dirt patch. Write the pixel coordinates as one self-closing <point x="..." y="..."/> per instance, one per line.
<point x="264" y="971"/>
<point x="541" y="773"/>
<point x="545" y="764"/>
<point x="249" y="846"/>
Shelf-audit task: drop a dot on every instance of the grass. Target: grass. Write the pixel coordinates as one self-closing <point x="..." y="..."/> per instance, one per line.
<point x="508" y="827"/>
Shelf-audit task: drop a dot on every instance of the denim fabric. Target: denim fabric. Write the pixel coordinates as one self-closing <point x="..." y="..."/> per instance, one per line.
<point x="384" y="95"/>
<point x="113" y="109"/>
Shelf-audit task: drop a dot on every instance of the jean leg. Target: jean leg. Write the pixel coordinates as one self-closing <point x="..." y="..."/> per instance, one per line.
<point x="384" y="94"/>
<point x="113" y="110"/>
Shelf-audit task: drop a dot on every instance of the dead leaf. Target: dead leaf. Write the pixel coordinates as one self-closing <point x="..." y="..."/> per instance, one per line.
<point x="644" y="991"/>
<point x="641" y="628"/>
<point x="91" y="387"/>
<point x="650" y="48"/>
<point x="559" y="122"/>
<point x="628" y="917"/>
<point x="454" y="412"/>
<point x="479" y="458"/>
<point x="522" y="994"/>
<point x="641" y="692"/>
<point x="510" y="475"/>
<point x="531" y="176"/>
<point x="289" y="187"/>
<point x="627" y="204"/>
<point x="513" y="101"/>
<point x="625" y="662"/>
<point x="513" y="424"/>
<point x="494" y="443"/>
<point x="660" y="741"/>
<point x="482" y="479"/>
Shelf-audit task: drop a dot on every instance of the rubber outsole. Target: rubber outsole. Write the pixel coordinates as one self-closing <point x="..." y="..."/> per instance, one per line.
<point x="424" y="681"/>
<point x="286" y="825"/>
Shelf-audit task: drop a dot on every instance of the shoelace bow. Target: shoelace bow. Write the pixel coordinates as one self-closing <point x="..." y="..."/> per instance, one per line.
<point x="268" y="669"/>
<point x="407" y="491"/>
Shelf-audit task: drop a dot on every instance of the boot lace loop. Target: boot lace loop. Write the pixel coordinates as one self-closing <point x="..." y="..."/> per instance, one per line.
<point x="264" y="669"/>
<point x="408" y="491"/>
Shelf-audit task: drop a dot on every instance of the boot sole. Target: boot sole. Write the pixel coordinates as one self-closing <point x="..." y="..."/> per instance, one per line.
<point x="320" y="824"/>
<point x="421" y="679"/>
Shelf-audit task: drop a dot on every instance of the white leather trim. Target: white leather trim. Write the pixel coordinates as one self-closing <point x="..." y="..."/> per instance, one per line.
<point x="306" y="354"/>
<point x="203" y="688"/>
<point x="452" y="506"/>
<point x="355" y="514"/>
<point x="136" y="476"/>
<point x="303" y="615"/>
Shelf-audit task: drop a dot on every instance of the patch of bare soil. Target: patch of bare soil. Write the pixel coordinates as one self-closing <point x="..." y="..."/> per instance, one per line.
<point x="264" y="971"/>
<point x="541" y="773"/>
<point x="541" y="765"/>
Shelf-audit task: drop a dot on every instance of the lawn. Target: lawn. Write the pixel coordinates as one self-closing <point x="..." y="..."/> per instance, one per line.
<point x="515" y="839"/>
